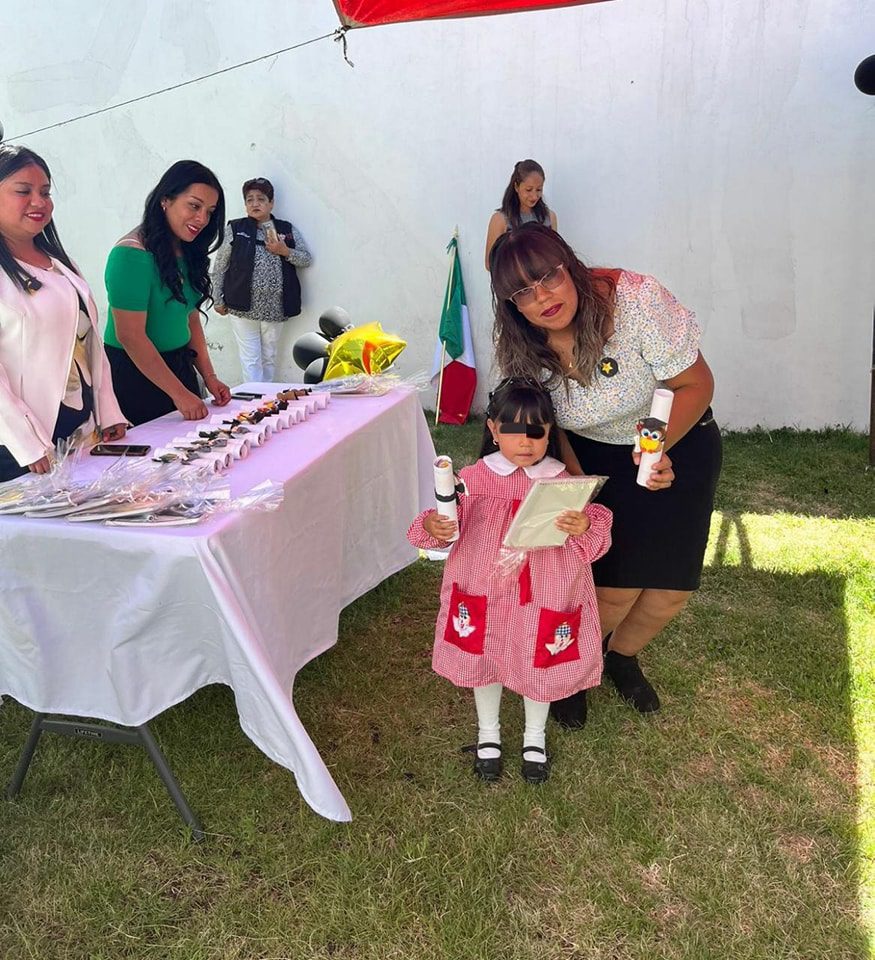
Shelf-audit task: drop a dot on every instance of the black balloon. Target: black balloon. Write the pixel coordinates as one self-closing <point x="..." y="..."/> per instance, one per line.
<point x="309" y="347"/>
<point x="310" y="350"/>
<point x="316" y="370"/>
<point x="334" y="321"/>
<point x="864" y="77"/>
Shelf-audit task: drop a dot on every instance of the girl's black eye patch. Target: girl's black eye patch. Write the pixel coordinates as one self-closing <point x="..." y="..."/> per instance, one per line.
<point x="534" y="431"/>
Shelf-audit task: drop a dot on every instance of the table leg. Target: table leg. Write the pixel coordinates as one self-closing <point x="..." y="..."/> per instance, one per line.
<point x="36" y="729"/>
<point x="166" y="774"/>
<point x="133" y="736"/>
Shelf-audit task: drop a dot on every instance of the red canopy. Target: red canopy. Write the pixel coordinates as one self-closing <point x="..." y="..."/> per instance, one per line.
<point x="369" y="13"/>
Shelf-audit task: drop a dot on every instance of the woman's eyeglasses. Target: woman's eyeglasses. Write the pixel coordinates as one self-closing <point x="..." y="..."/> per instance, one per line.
<point x="552" y="279"/>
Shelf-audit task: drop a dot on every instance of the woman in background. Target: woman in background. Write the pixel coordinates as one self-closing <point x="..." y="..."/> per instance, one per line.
<point x="255" y="279"/>
<point x="523" y="202"/>
<point x="157" y="282"/>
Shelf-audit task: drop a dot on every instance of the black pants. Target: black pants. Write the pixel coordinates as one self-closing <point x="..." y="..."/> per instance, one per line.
<point x="138" y="397"/>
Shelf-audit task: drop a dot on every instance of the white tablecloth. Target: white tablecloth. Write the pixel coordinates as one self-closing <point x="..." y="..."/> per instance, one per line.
<point x="120" y="623"/>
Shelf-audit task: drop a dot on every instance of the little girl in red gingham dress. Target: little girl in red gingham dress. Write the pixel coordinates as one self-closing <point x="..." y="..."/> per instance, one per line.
<point x="537" y="633"/>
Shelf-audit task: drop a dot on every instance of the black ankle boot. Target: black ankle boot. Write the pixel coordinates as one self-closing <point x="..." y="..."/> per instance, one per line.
<point x="570" y="712"/>
<point x="631" y="684"/>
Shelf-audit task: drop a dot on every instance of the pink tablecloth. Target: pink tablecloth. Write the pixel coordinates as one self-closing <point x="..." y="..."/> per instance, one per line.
<point x="120" y="623"/>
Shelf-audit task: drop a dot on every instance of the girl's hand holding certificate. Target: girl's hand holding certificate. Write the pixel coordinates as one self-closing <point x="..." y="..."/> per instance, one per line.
<point x="573" y="522"/>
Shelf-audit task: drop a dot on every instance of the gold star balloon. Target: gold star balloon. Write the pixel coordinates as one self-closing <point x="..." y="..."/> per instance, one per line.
<point x="367" y="349"/>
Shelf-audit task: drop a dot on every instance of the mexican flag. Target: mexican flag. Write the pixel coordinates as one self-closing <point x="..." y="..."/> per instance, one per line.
<point x="455" y="350"/>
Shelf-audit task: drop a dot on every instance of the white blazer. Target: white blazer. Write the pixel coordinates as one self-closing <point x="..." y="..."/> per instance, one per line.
<point x="36" y="351"/>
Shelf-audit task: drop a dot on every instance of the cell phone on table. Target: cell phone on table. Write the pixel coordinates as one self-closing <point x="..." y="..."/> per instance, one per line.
<point x="120" y="450"/>
<point x="246" y="396"/>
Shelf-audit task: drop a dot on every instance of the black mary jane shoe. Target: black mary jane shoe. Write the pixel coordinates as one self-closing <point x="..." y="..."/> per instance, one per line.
<point x="535" y="771"/>
<point x="487" y="769"/>
<point x="627" y="676"/>
<point x="570" y="712"/>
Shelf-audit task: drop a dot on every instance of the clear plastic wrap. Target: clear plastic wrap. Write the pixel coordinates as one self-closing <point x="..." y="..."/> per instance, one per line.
<point x="213" y="499"/>
<point x="374" y="385"/>
<point x="534" y="524"/>
<point x="56" y="489"/>
<point x="180" y="483"/>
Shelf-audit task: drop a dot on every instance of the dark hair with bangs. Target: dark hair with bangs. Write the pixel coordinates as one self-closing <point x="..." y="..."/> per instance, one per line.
<point x="510" y="202"/>
<point x="12" y="159"/>
<point x="159" y="240"/>
<point x="522" y="350"/>
<point x="524" y="401"/>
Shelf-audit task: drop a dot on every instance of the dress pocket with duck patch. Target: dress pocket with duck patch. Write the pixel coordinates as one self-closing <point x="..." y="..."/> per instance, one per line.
<point x="558" y="638"/>
<point x="466" y="621"/>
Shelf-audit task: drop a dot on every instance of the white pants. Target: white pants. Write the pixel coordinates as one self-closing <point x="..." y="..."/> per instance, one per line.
<point x="256" y="341"/>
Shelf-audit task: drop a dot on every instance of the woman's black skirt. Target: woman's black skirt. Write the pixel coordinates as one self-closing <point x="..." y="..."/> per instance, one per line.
<point x="658" y="536"/>
<point x="138" y="397"/>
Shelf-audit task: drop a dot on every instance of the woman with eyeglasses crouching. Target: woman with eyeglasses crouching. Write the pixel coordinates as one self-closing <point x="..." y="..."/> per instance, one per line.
<point x="157" y="282"/>
<point x="602" y="341"/>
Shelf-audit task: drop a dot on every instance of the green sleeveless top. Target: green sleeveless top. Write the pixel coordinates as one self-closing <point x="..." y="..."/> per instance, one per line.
<point x="132" y="283"/>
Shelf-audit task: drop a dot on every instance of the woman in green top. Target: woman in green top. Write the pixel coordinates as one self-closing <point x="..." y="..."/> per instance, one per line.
<point x="157" y="280"/>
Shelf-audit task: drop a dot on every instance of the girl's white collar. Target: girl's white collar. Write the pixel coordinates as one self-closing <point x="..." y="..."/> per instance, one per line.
<point x="543" y="470"/>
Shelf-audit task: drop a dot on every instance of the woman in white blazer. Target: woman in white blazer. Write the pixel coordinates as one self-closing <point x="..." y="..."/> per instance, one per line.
<point x="55" y="381"/>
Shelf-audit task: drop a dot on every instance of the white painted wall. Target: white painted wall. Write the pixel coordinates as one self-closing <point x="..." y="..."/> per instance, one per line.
<point x="720" y="146"/>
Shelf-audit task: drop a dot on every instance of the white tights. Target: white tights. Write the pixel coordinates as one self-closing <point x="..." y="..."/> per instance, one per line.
<point x="488" y="703"/>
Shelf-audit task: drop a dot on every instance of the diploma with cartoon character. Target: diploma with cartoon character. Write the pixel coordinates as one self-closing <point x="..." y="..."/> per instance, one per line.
<point x="650" y="436"/>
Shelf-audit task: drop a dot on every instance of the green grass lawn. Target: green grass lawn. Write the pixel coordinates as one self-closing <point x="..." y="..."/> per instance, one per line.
<point x="739" y="823"/>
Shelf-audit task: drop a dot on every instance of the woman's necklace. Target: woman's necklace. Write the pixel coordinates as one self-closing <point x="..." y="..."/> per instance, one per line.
<point x="565" y="353"/>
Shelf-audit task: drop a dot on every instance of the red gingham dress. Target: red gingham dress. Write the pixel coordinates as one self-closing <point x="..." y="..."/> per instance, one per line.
<point x="544" y="649"/>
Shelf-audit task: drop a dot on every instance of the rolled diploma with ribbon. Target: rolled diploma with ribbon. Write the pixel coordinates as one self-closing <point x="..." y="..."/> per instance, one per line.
<point x="264" y="427"/>
<point x="660" y="410"/>
<point x="257" y="433"/>
<point x="278" y="420"/>
<point x="201" y="446"/>
<point x="178" y="454"/>
<point x="264" y="424"/>
<point x="222" y="458"/>
<point x="239" y="447"/>
<point x="253" y="434"/>
<point x="218" y="460"/>
<point x="445" y="491"/>
<point x="302" y="408"/>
